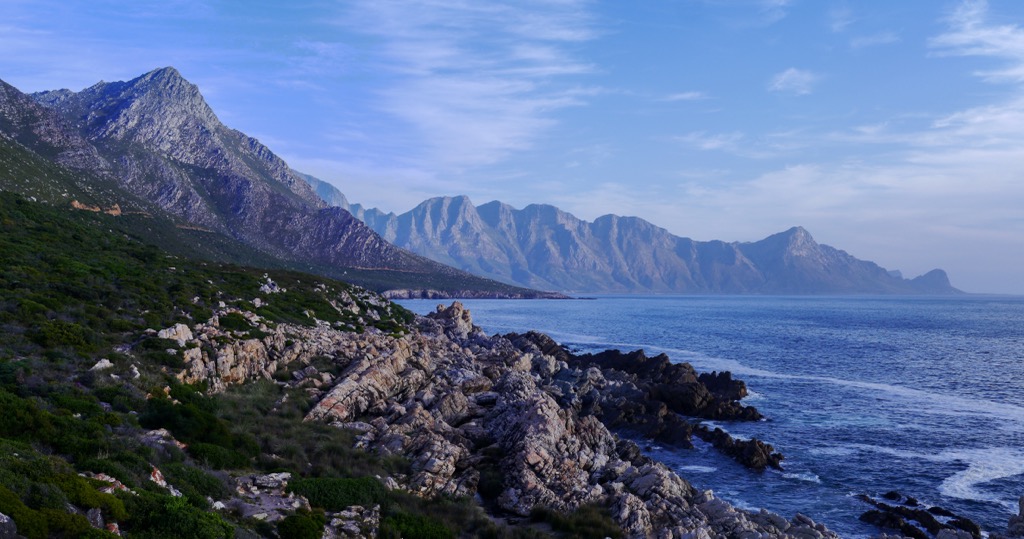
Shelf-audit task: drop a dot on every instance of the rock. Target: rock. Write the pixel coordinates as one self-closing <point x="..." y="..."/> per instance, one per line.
<point x="274" y="480"/>
<point x="102" y="364"/>
<point x="8" y="529"/>
<point x="157" y="477"/>
<point x="752" y="453"/>
<point x="1016" y="526"/>
<point x="179" y="333"/>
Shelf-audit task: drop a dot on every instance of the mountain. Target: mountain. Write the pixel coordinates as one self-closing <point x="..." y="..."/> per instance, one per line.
<point x="153" y="144"/>
<point x="541" y="246"/>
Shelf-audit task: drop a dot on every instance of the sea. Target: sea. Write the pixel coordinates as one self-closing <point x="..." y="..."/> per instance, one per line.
<point x="862" y="395"/>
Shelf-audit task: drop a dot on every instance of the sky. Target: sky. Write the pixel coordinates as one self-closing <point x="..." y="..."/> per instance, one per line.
<point x="891" y="130"/>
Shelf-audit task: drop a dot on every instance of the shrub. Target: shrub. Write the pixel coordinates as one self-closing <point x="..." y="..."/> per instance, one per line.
<point x="587" y="522"/>
<point x="30" y="523"/>
<point x="407" y="526"/>
<point x="335" y="494"/>
<point x="301" y="526"/>
<point x="156" y="516"/>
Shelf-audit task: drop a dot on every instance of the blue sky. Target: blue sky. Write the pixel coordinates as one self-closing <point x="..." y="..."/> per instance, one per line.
<point x="892" y="130"/>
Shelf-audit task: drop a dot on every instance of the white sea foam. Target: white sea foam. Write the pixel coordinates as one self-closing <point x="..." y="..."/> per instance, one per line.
<point x="753" y="396"/>
<point x="984" y="465"/>
<point x="803" y="476"/>
<point x="837" y="451"/>
<point x="697" y="469"/>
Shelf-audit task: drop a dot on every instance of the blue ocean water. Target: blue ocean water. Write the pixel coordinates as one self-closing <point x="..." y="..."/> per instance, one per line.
<point x="862" y="394"/>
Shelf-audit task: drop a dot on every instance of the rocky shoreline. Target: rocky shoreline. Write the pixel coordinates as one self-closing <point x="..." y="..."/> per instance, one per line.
<point x="519" y="422"/>
<point x="516" y="420"/>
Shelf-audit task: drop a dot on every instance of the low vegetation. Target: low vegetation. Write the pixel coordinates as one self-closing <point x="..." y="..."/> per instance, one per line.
<point x="73" y="292"/>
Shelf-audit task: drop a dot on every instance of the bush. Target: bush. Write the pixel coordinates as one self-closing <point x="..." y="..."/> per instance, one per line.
<point x="30" y="523"/>
<point x="301" y="526"/>
<point x="406" y="526"/>
<point x="194" y="482"/>
<point x="587" y="522"/>
<point x="156" y="516"/>
<point x="335" y="494"/>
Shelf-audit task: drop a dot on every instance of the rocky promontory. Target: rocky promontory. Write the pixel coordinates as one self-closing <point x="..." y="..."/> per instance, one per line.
<point x="516" y="419"/>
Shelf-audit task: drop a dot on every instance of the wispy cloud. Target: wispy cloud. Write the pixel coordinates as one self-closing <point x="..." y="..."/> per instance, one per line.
<point x="774" y="10"/>
<point x="476" y="80"/>
<point x="839" y="18"/>
<point x="685" y="96"/>
<point x="972" y="35"/>
<point x="874" y="40"/>
<point x="701" y="140"/>
<point x="794" y="81"/>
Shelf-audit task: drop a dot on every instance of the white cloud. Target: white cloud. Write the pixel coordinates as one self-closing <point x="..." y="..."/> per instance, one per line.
<point x="712" y="142"/>
<point x="685" y="96"/>
<point x="477" y="81"/>
<point x="972" y="35"/>
<point x="794" y="81"/>
<point x="874" y="40"/>
<point x="840" y="18"/>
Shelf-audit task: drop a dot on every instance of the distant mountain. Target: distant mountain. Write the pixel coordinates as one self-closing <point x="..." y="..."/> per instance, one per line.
<point x="544" y="247"/>
<point x="154" y="144"/>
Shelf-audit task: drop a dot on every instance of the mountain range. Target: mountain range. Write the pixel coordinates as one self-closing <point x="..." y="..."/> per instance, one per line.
<point x="152" y="145"/>
<point x="153" y="149"/>
<point x="541" y="246"/>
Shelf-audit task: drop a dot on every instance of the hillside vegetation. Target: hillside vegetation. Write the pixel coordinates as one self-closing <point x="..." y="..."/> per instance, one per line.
<point x="74" y="294"/>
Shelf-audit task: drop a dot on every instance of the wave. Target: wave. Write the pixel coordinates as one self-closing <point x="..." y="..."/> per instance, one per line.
<point x="808" y="477"/>
<point x="697" y="469"/>
<point x="928" y="402"/>
<point x="984" y="465"/>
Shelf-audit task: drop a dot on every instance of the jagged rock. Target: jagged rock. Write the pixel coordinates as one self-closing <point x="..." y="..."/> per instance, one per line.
<point x="156" y="476"/>
<point x="448" y="398"/>
<point x="178" y="332"/>
<point x="273" y="481"/>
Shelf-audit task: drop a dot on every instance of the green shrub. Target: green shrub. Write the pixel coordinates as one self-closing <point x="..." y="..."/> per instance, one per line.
<point x="194" y="482"/>
<point x="158" y="516"/>
<point x="301" y="526"/>
<point x="587" y="522"/>
<point x="30" y="523"/>
<point x="335" y="494"/>
<point x="407" y="526"/>
<point x="234" y="322"/>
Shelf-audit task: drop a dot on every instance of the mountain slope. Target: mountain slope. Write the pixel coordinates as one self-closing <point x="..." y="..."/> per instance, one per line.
<point x="543" y="247"/>
<point x="154" y="143"/>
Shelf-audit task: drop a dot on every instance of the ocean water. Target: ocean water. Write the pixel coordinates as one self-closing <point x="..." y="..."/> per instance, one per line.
<point x="862" y="394"/>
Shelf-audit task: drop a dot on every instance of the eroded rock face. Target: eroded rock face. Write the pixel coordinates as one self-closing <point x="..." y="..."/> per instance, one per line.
<point x="516" y="419"/>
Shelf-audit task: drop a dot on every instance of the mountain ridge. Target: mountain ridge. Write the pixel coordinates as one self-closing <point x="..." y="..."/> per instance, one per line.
<point x="543" y="246"/>
<point x="154" y="141"/>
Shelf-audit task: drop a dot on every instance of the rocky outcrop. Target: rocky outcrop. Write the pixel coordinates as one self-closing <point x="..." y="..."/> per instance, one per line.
<point x="912" y="519"/>
<point x="516" y="420"/>
<point x="650" y="397"/>
<point x="511" y="419"/>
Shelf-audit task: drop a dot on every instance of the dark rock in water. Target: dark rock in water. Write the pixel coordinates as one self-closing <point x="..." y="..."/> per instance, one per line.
<point x="884" y="519"/>
<point x="935" y="510"/>
<point x="887" y="516"/>
<point x="752" y="453"/>
<point x="723" y="386"/>
<point x="967" y="525"/>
